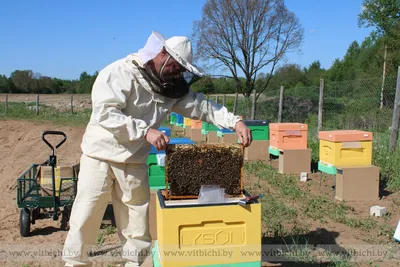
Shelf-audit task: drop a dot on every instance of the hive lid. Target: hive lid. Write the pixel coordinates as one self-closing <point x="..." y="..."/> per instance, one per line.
<point x="345" y="135"/>
<point x="188" y="167"/>
<point x="256" y="122"/>
<point x="288" y="126"/>
<point x="173" y="141"/>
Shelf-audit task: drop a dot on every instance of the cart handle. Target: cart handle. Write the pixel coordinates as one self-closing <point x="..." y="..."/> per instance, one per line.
<point x="53" y="133"/>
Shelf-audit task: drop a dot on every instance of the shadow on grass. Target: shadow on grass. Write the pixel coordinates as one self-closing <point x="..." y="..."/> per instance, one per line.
<point x="303" y="250"/>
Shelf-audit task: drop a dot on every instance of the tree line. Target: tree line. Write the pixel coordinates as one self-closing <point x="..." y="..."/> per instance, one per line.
<point x="250" y="36"/>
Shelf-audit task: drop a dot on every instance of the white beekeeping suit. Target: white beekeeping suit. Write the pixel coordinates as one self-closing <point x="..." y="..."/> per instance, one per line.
<point x="126" y="102"/>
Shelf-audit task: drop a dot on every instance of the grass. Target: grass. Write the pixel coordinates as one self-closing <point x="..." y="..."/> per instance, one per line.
<point x="287" y="208"/>
<point x="104" y="232"/>
<point x="27" y="111"/>
<point x="389" y="162"/>
<point x="319" y="208"/>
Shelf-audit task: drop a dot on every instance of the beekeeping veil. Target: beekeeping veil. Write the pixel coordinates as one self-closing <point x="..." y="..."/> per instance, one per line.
<point x="179" y="48"/>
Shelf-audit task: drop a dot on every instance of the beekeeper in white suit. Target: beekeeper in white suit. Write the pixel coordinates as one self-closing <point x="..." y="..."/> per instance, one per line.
<point x="131" y="97"/>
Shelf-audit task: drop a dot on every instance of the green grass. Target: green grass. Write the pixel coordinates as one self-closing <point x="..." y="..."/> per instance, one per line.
<point x="287" y="208"/>
<point x="22" y="111"/>
<point x="104" y="232"/>
<point x="388" y="162"/>
<point x="319" y="208"/>
<point x="27" y="111"/>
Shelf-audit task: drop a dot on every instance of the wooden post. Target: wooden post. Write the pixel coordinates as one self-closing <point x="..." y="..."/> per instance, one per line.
<point x="37" y="104"/>
<point x="223" y="100"/>
<point x="280" y="105"/>
<point x="235" y="104"/>
<point x="253" y="106"/>
<point x="216" y="99"/>
<point x="72" y="104"/>
<point x="321" y="104"/>
<point x="394" y="130"/>
<point x="6" y="104"/>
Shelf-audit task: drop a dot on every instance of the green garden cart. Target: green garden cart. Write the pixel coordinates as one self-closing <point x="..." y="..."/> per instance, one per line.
<point x="42" y="192"/>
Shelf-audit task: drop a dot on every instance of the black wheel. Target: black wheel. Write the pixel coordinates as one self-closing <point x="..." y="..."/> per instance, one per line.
<point x="25" y="222"/>
<point x="35" y="215"/>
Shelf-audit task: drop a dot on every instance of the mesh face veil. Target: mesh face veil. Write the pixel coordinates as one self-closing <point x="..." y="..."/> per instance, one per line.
<point x="178" y="48"/>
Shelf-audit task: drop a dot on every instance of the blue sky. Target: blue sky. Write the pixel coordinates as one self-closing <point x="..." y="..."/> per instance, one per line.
<point x="64" y="38"/>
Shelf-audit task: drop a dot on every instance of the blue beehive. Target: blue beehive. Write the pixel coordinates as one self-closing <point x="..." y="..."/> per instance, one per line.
<point x="165" y="130"/>
<point x="225" y="131"/>
<point x="180" y="120"/>
<point x="222" y="132"/>
<point x="173" y="141"/>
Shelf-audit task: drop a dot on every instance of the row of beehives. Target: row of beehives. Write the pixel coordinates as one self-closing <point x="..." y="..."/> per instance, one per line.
<point x="216" y="226"/>
<point x="337" y="148"/>
<point x="344" y="153"/>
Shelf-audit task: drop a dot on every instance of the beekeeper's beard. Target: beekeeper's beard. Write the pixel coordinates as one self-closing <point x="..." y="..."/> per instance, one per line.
<point x="168" y="85"/>
<point x="169" y="77"/>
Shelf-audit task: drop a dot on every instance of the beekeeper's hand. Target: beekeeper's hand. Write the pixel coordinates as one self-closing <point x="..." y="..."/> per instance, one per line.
<point x="244" y="133"/>
<point x="157" y="138"/>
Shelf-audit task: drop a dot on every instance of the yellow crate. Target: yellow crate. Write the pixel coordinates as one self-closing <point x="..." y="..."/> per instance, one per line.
<point x="46" y="181"/>
<point x="201" y="235"/>
<point x="355" y="153"/>
<point x="187" y="122"/>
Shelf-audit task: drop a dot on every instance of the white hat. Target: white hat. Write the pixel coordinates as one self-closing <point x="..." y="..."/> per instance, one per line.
<point x="180" y="48"/>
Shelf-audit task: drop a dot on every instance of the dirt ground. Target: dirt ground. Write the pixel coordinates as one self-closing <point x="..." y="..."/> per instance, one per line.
<point x="21" y="146"/>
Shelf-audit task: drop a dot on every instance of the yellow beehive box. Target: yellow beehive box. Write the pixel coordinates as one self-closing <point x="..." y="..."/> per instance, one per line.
<point x="187" y="122"/>
<point x="346" y="147"/>
<point x="190" y="234"/>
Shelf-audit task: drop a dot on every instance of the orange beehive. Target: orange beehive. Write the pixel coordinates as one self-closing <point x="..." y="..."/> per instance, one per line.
<point x="196" y="124"/>
<point x="288" y="135"/>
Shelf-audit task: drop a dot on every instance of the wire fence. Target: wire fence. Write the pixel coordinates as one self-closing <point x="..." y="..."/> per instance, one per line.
<point x="356" y="104"/>
<point x="352" y="104"/>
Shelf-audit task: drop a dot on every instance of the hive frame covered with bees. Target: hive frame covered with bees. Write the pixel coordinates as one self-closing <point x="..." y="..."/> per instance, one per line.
<point x="189" y="166"/>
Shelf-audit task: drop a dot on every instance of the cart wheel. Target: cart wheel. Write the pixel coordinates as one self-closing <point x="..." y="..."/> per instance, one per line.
<point x="64" y="218"/>
<point x="35" y="215"/>
<point x="25" y="222"/>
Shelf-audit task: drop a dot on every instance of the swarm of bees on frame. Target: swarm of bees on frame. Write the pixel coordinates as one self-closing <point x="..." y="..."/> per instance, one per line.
<point x="188" y="167"/>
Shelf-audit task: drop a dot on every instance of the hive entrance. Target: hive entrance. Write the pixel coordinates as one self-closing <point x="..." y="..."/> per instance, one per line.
<point x="188" y="167"/>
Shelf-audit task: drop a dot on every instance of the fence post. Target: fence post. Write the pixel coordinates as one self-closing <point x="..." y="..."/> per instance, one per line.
<point x="253" y="106"/>
<point x="280" y="105"/>
<point x="321" y="104"/>
<point x="235" y="104"/>
<point x="223" y="100"/>
<point x="72" y="104"/>
<point x="394" y="130"/>
<point x="37" y="104"/>
<point x="6" y="104"/>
